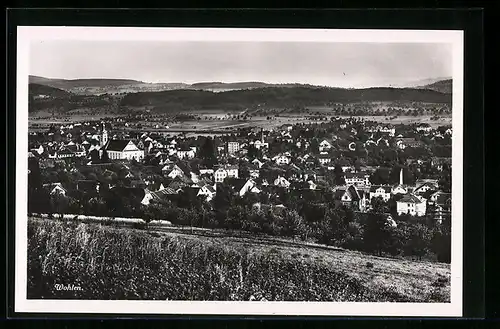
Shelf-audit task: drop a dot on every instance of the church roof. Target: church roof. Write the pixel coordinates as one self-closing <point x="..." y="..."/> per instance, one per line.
<point x="116" y="145"/>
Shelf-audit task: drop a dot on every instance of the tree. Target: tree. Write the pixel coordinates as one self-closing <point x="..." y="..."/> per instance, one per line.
<point x="417" y="239"/>
<point x="59" y="203"/>
<point x="380" y="176"/>
<point x="208" y="152"/>
<point x="339" y="175"/>
<point x="441" y="241"/>
<point x="105" y="157"/>
<point x="94" y="156"/>
<point x="253" y="152"/>
<point x="222" y="199"/>
<point x="376" y="233"/>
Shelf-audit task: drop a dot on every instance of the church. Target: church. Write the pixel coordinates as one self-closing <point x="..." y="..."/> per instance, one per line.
<point x="119" y="149"/>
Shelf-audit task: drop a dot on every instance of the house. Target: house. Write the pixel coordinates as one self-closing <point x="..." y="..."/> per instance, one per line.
<point x="440" y="162"/>
<point x="324" y="159"/>
<point x="207" y="191"/>
<point x="403" y="143"/>
<point x="233" y="147"/>
<point x="423" y="127"/>
<point x="324" y="146"/>
<point x="281" y="159"/>
<point x="249" y="186"/>
<point x="55" y="189"/>
<point x="357" y="179"/>
<point x="282" y="182"/>
<point x="64" y="154"/>
<point x="351" y="197"/>
<point x="185" y="153"/>
<point x="254" y="172"/>
<point x="260" y="144"/>
<point x="422" y="186"/>
<point x="312" y="185"/>
<point x="172" y="171"/>
<point x="123" y="149"/>
<point x="220" y="174"/>
<point x="232" y="170"/>
<point x="383" y="192"/>
<point x="258" y="163"/>
<point x="206" y="171"/>
<point x="412" y="205"/>
<point x="439" y="196"/>
<point x="148" y="196"/>
<point x="442" y="205"/>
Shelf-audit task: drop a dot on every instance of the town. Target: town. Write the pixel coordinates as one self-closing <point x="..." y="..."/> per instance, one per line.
<point x="405" y="169"/>
<point x="240" y="171"/>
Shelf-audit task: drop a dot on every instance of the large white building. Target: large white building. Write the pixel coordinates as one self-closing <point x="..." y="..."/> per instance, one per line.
<point x="233" y="147"/>
<point x="412" y="205"/>
<point x="123" y="149"/>
<point x="383" y="192"/>
<point x="357" y="179"/>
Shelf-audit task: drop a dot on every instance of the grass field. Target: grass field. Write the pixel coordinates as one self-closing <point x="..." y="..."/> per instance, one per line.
<point x="177" y="264"/>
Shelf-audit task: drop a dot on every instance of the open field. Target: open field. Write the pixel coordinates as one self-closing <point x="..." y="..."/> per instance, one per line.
<point x="179" y="264"/>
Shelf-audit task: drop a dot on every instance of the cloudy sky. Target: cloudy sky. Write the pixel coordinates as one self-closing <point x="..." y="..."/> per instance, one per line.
<point x="330" y="64"/>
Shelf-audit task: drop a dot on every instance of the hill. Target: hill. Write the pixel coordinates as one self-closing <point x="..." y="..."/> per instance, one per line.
<point x="193" y="100"/>
<point x="39" y="90"/>
<point x="79" y="83"/>
<point x="202" y="265"/>
<point x="443" y="86"/>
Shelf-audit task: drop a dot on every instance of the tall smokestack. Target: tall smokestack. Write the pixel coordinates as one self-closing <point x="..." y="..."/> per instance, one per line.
<point x="401" y="177"/>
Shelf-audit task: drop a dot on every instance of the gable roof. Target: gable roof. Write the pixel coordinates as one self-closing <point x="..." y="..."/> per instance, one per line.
<point x="410" y="198"/>
<point x="374" y="188"/>
<point x="116" y="145"/>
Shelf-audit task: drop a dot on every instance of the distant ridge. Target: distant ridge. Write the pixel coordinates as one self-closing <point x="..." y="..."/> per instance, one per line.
<point x="36" y="89"/>
<point x="78" y="83"/>
<point x="443" y="86"/>
<point x="194" y="100"/>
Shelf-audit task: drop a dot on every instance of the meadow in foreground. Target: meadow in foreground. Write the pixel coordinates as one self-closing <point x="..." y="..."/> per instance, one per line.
<point x="122" y="263"/>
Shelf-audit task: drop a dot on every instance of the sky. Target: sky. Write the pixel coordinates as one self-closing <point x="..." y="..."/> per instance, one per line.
<point x="347" y="65"/>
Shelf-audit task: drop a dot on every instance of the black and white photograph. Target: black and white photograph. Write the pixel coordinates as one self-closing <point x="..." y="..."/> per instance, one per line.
<point x="239" y="171"/>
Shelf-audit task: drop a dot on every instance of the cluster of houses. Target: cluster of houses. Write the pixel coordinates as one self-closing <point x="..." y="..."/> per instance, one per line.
<point x="357" y="192"/>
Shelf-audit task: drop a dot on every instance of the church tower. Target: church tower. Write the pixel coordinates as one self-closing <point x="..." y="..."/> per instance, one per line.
<point x="104" y="136"/>
<point x="401" y="177"/>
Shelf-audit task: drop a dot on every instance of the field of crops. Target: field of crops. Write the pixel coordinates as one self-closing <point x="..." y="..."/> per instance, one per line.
<point x="122" y="263"/>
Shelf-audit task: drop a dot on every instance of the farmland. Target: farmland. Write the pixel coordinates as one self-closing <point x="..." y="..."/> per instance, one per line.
<point x="121" y="263"/>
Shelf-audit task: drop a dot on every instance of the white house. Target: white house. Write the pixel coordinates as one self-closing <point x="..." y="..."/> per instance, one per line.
<point x="324" y="146"/>
<point x="220" y="174"/>
<point x="147" y="197"/>
<point x="357" y="179"/>
<point x="380" y="191"/>
<point x="123" y="149"/>
<point x="424" y="127"/>
<point x="281" y="159"/>
<point x="282" y="182"/>
<point x="233" y="147"/>
<point x="172" y="171"/>
<point x="312" y="185"/>
<point x="411" y="204"/>
<point x="232" y="171"/>
<point x="55" y="188"/>
<point x="186" y="153"/>
<point x="206" y="171"/>
<point x="260" y="144"/>
<point x="207" y="191"/>
<point x="249" y="186"/>
<point x="324" y="160"/>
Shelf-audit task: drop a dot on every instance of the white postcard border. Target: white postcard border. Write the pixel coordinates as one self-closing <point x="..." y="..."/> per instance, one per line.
<point x="26" y="35"/>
